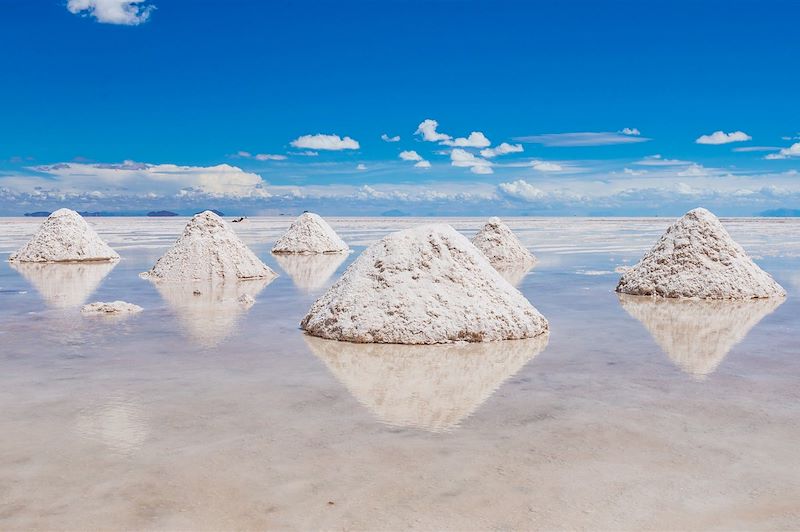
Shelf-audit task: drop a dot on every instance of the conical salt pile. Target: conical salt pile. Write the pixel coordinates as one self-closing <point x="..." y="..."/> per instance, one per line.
<point x="64" y="237"/>
<point x="502" y="247"/>
<point x="424" y="285"/>
<point x="208" y="250"/>
<point x="310" y="234"/>
<point x="697" y="258"/>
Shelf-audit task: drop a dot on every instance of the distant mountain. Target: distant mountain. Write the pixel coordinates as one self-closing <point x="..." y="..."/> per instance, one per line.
<point x="215" y="211"/>
<point x="38" y="214"/>
<point x="162" y="213"/>
<point x="781" y="213"/>
<point x="395" y="213"/>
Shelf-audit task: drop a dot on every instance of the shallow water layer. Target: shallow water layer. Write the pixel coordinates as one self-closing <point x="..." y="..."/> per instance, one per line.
<point x="203" y="412"/>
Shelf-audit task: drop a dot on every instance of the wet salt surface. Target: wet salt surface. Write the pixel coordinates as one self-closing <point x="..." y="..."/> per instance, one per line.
<point x="192" y="415"/>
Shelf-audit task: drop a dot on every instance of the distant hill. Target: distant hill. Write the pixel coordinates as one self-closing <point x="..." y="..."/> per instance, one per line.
<point x="395" y="213"/>
<point x="38" y="214"/>
<point x="161" y="213"/>
<point x="781" y="213"/>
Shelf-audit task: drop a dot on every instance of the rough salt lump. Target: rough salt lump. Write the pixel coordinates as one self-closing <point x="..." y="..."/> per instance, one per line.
<point x="208" y="250"/>
<point x="501" y="246"/>
<point x="424" y="285"/>
<point x="310" y="234"/>
<point x="64" y="237"/>
<point x="697" y="258"/>
<point x="111" y="308"/>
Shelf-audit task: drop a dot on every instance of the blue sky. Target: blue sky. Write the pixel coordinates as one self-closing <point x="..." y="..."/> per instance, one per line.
<point x="265" y="107"/>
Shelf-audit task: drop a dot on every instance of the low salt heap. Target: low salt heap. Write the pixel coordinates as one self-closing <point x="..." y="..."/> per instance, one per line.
<point x="112" y="308"/>
<point x="424" y="285"/>
<point x="64" y="237"/>
<point x="208" y="250"/>
<point x="310" y="234"/>
<point x="697" y="258"/>
<point x="501" y="246"/>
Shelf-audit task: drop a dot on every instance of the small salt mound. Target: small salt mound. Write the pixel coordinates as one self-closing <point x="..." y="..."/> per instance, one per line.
<point x="64" y="237"/>
<point x="697" y="258"/>
<point x="424" y="285"/>
<point x="113" y="308"/>
<point x="310" y="234"/>
<point x="502" y="247"/>
<point x="208" y="250"/>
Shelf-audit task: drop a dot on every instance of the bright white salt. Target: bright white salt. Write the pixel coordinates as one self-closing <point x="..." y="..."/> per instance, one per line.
<point x="101" y="308"/>
<point x="697" y="258"/>
<point x="64" y="237"/>
<point x="424" y="285"/>
<point x="310" y="234"/>
<point x="208" y="250"/>
<point x="501" y="246"/>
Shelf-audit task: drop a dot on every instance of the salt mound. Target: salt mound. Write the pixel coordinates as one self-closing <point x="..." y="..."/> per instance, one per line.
<point x="310" y="234"/>
<point x="113" y="308"/>
<point x="502" y="247"/>
<point x="697" y="258"/>
<point x="208" y="250"/>
<point x="64" y="285"/>
<point x="432" y="388"/>
<point x="696" y="335"/>
<point x="424" y="285"/>
<point x="64" y="237"/>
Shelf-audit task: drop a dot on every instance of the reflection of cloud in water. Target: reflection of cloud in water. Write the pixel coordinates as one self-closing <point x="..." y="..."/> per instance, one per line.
<point x="118" y="423"/>
<point x="208" y="312"/>
<point x="428" y="387"/>
<point x="696" y="335"/>
<point x="310" y="272"/>
<point x="64" y="285"/>
<point x="514" y="274"/>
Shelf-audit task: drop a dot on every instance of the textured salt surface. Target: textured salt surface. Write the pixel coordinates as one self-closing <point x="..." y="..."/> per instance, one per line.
<point x="208" y="250"/>
<point x="423" y="285"/>
<point x="696" y="335"/>
<point x="64" y="285"/>
<point x="432" y="388"/>
<point x="310" y="234"/>
<point x="101" y="308"/>
<point x="501" y="246"/>
<point x="64" y="237"/>
<point x="697" y="258"/>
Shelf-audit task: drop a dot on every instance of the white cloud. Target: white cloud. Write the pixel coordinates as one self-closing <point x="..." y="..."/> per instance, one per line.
<point x="631" y="131"/>
<point x="410" y="155"/>
<point x="628" y="171"/>
<point x="387" y="138"/>
<point x="476" y="139"/>
<point x="719" y="137"/>
<point x="694" y="170"/>
<point x="269" y="157"/>
<point x="361" y="167"/>
<point x="658" y="160"/>
<point x="785" y="153"/>
<point x="307" y="153"/>
<point x="325" y="142"/>
<point x="427" y="129"/>
<point x="544" y="166"/>
<point x="523" y="190"/>
<point x="465" y="159"/>
<point x="124" y="12"/>
<point x="141" y="179"/>
<point x="244" y="154"/>
<point x="586" y="138"/>
<point x="423" y="164"/>
<point x="756" y="148"/>
<point x="502" y="149"/>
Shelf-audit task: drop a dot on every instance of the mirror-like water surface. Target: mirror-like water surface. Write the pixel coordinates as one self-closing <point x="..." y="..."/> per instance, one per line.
<point x="207" y="412"/>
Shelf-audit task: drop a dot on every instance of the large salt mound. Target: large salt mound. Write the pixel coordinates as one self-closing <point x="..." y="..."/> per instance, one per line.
<point x="502" y="247"/>
<point x="424" y="285"/>
<point x="697" y="258"/>
<point x="310" y="234"/>
<point x="64" y="237"/>
<point x="208" y="250"/>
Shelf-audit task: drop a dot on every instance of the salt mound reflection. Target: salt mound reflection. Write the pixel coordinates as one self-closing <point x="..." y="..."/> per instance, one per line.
<point x="514" y="274"/>
<point x="118" y="423"/>
<point x="64" y="285"/>
<point x="697" y="334"/>
<point x="309" y="273"/>
<point x="427" y="387"/>
<point x="207" y="311"/>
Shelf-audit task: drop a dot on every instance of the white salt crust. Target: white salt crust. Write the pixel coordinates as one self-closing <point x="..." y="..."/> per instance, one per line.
<point x="502" y="247"/>
<point x="64" y="237"/>
<point x="111" y="308"/>
<point x="697" y="258"/>
<point x="424" y="285"/>
<point x="310" y="234"/>
<point x="208" y="250"/>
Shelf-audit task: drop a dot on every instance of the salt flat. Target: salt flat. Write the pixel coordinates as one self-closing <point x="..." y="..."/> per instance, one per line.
<point x="200" y="415"/>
